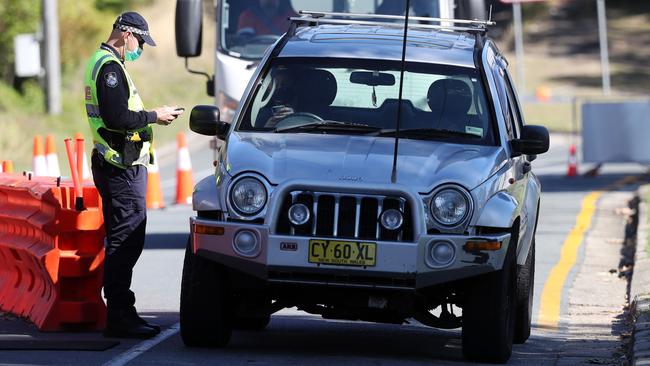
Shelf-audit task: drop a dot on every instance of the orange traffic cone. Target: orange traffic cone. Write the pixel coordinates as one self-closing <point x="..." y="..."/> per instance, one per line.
<point x="39" y="165"/>
<point x="184" y="181"/>
<point x="572" y="171"/>
<point x="7" y="166"/>
<point x="51" y="158"/>
<point x="154" y="191"/>
<point x="86" y="170"/>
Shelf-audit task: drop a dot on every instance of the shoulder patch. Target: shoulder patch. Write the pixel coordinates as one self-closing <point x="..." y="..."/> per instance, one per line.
<point x="111" y="79"/>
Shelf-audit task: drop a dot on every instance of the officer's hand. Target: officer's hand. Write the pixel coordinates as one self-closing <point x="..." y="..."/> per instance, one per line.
<point x="165" y="115"/>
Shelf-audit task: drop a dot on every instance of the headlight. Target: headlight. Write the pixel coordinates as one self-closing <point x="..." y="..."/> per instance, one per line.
<point x="248" y="196"/>
<point x="449" y="207"/>
<point x="299" y="214"/>
<point x="391" y="219"/>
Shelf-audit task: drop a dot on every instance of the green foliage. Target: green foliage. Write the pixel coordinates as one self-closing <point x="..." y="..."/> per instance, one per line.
<point x="31" y="99"/>
<point x="119" y="5"/>
<point x="16" y="17"/>
<point x="81" y="28"/>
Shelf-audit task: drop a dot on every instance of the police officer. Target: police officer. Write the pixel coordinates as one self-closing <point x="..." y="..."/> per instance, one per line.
<point x="122" y="137"/>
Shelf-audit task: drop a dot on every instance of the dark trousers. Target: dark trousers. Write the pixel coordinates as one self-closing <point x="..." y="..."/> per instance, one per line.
<point x="123" y="193"/>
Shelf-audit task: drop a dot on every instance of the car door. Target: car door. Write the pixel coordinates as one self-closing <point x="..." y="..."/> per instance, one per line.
<point x="527" y="183"/>
<point x="518" y="164"/>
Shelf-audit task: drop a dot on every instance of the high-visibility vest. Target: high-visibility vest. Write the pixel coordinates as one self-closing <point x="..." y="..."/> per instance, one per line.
<point x="99" y="59"/>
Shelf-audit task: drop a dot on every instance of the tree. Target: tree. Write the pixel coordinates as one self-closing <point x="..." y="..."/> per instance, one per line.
<point x="16" y="17"/>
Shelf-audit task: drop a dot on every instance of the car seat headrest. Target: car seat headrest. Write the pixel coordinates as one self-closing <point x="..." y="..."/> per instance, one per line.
<point x="450" y="95"/>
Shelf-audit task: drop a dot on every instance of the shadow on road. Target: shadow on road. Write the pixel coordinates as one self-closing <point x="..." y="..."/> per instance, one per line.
<point x="296" y="339"/>
<point x="562" y="183"/>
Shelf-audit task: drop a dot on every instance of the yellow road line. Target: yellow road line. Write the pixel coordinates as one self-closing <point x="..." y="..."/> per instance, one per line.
<point x="549" y="310"/>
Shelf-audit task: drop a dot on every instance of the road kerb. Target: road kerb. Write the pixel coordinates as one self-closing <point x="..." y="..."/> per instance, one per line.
<point x="640" y="287"/>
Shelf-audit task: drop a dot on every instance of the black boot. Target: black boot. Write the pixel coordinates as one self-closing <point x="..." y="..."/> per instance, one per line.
<point x="132" y="314"/>
<point x="120" y="325"/>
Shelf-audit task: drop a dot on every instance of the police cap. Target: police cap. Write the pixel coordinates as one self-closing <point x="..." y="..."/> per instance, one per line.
<point x="134" y="23"/>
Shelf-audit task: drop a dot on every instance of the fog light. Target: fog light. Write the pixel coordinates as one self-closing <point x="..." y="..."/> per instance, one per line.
<point x="246" y="243"/>
<point x="299" y="214"/>
<point x="391" y="219"/>
<point x="442" y="253"/>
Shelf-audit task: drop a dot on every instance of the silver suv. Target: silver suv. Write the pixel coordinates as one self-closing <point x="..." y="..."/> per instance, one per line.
<point x="344" y="191"/>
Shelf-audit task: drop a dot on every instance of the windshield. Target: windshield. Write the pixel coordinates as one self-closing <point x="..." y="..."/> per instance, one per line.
<point x="249" y="27"/>
<point x="353" y="96"/>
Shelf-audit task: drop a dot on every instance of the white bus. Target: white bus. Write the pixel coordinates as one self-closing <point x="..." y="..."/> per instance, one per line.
<point x="246" y="28"/>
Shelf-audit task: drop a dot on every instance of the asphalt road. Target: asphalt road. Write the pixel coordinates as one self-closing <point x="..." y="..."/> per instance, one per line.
<point x="295" y="338"/>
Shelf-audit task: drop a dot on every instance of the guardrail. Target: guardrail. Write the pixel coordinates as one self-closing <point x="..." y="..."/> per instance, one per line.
<point x="51" y="255"/>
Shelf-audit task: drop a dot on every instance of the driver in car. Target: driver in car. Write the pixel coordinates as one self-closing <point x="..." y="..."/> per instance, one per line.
<point x="265" y="17"/>
<point x="283" y="101"/>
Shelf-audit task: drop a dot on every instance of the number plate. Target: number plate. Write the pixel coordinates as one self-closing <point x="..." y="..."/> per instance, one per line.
<point x="344" y="253"/>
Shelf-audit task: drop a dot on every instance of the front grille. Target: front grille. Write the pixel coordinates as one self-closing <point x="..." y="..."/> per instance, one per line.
<point x="345" y="216"/>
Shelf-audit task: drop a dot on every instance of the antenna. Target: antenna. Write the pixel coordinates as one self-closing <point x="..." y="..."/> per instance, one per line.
<point x="393" y="176"/>
<point x="490" y="15"/>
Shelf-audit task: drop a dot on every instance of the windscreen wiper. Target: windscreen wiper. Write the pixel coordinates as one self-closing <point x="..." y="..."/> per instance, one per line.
<point x="330" y="125"/>
<point x="427" y="132"/>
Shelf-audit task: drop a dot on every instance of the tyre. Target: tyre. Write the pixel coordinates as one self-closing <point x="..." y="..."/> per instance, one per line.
<point x="204" y="312"/>
<point x="525" y="288"/>
<point x="488" y="313"/>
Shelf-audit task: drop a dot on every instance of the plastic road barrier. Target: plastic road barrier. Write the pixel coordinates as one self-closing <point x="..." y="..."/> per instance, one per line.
<point x="51" y="255"/>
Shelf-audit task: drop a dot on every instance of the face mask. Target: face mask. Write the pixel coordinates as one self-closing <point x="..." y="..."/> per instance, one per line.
<point x="132" y="55"/>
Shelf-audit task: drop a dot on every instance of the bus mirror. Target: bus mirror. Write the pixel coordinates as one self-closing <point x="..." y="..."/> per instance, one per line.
<point x="189" y="27"/>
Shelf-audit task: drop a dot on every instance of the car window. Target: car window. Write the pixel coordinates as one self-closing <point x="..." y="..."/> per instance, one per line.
<point x="515" y="116"/>
<point x="498" y="74"/>
<point x="514" y="101"/>
<point x="366" y="92"/>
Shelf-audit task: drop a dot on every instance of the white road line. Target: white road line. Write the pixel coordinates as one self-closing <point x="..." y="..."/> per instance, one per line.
<point x="142" y="347"/>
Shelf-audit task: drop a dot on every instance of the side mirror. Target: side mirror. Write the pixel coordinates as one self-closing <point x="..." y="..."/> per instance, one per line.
<point x="189" y="27"/>
<point x="205" y="120"/>
<point x="534" y="140"/>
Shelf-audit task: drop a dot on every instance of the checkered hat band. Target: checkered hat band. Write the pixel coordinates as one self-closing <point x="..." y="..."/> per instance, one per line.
<point x="126" y="28"/>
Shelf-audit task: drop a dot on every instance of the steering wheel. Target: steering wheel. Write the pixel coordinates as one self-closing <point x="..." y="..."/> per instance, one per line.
<point x="263" y="39"/>
<point x="297" y="119"/>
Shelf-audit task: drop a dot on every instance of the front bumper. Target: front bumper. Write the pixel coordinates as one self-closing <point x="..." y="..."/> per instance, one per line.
<point x="399" y="265"/>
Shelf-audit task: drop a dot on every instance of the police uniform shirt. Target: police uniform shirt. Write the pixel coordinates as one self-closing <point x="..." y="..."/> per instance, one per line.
<point x="113" y="98"/>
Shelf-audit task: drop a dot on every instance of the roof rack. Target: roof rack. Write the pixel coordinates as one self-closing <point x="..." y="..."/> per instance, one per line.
<point x="473" y="26"/>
